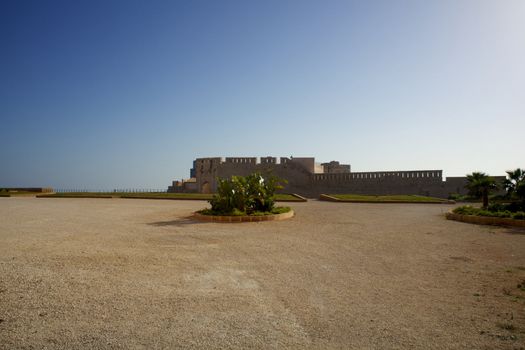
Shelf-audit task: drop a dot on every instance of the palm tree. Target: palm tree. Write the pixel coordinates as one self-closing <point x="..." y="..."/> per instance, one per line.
<point x="520" y="192"/>
<point x="514" y="180"/>
<point x="480" y="185"/>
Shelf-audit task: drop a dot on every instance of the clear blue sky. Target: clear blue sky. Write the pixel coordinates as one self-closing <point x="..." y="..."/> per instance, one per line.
<point x="105" y="94"/>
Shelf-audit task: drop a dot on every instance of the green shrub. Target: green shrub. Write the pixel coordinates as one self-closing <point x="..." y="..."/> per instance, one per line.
<point x="503" y="213"/>
<point x="512" y="207"/>
<point x="520" y="215"/>
<point x="465" y="210"/>
<point x="495" y="214"/>
<point x="243" y="195"/>
<point x="281" y="210"/>
<point x="516" y="206"/>
<point x="496" y="207"/>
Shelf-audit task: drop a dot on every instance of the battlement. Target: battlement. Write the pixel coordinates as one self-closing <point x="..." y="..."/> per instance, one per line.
<point x="411" y="174"/>
<point x="241" y="160"/>
<point x="268" y="160"/>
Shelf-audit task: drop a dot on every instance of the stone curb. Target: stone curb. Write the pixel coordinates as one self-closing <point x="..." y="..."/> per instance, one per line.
<point x="235" y="219"/>
<point x="303" y="199"/>
<point x="325" y="197"/>
<point x="299" y="199"/>
<point x="484" y="220"/>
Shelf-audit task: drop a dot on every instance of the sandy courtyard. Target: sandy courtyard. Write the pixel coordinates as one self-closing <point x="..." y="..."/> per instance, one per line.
<point x="117" y="273"/>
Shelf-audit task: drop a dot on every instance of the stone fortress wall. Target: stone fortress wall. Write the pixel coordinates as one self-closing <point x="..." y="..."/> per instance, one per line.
<point x="308" y="178"/>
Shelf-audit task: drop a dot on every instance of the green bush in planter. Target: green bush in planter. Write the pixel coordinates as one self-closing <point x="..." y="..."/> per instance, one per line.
<point x="245" y="194"/>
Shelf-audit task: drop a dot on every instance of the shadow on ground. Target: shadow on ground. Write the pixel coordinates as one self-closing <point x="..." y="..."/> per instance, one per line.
<point x="514" y="230"/>
<point x="180" y="222"/>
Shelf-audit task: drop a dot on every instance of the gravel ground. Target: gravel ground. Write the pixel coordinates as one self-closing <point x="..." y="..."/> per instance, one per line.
<point x="118" y="273"/>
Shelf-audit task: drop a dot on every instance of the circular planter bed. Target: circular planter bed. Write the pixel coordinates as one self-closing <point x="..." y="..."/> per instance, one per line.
<point x="243" y="218"/>
<point x="485" y="220"/>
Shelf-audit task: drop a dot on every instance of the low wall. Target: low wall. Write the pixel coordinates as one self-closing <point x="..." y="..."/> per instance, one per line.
<point x="30" y="189"/>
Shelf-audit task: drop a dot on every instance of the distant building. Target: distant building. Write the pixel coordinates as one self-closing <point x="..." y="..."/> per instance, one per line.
<point x="308" y="178"/>
<point x="335" y="168"/>
<point x="185" y="186"/>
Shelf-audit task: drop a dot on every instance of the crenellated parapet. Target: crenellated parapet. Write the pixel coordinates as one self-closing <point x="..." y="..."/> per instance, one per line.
<point x="241" y="160"/>
<point x="375" y="175"/>
<point x="268" y="160"/>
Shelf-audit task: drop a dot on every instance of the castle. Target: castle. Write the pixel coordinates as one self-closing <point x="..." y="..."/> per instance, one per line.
<point x="308" y="178"/>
